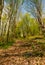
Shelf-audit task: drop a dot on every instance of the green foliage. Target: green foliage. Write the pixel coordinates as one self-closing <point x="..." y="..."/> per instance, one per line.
<point x="27" y="26"/>
<point x="34" y="27"/>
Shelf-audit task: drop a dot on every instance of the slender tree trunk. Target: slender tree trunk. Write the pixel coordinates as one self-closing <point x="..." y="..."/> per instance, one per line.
<point x="7" y="37"/>
<point x="1" y="7"/>
<point x="41" y="25"/>
<point x="39" y="18"/>
<point x="10" y="17"/>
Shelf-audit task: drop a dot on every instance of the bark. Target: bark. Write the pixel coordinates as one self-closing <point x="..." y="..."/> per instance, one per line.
<point x="39" y="18"/>
<point x="10" y="22"/>
<point x="1" y="8"/>
<point x="7" y="37"/>
<point x="41" y="24"/>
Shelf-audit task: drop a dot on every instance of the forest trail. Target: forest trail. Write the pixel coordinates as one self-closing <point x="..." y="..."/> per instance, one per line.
<point x="23" y="53"/>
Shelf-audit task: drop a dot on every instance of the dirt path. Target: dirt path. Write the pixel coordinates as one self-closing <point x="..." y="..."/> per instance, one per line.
<point x="21" y="53"/>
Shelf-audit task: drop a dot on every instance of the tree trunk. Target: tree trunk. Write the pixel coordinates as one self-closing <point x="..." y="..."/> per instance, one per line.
<point x="1" y="7"/>
<point x="10" y="18"/>
<point x="39" y="18"/>
<point x="41" y="25"/>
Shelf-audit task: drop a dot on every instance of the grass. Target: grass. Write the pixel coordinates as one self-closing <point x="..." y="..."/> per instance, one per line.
<point x="5" y="45"/>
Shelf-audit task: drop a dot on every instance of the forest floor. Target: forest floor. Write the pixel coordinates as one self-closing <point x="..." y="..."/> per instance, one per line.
<point x="24" y="52"/>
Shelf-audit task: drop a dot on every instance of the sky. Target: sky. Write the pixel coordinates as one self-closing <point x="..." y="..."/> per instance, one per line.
<point x="43" y="3"/>
<point x="43" y="7"/>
